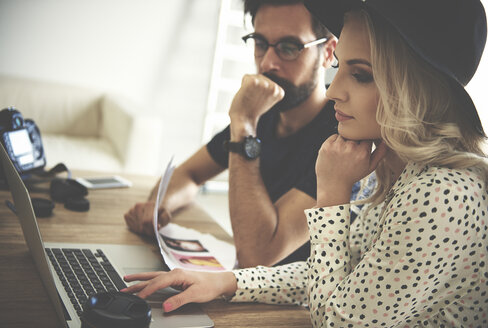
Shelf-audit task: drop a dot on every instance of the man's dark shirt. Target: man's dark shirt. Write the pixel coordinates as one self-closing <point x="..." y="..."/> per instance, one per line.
<point x="285" y="163"/>
<point x="288" y="162"/>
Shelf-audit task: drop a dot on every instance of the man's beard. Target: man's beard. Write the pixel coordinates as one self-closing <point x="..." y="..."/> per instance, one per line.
<point x="294" y="95"/>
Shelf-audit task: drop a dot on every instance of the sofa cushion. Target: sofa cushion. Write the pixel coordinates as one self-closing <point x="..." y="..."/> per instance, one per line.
<point x="56" y="108"/>
<point x="86" y="129"/>
<point x="82" y="153"/>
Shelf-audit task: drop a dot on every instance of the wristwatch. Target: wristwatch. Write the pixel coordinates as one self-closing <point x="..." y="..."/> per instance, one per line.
<point x="249" y="148"/>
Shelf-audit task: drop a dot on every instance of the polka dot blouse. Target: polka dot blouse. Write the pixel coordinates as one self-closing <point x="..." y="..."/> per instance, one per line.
<point x="416" y="260"/>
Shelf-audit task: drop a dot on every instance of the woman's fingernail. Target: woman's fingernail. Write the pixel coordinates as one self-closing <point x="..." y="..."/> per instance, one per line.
<point x="167" y="307"/>
<point x="123" y="290"/>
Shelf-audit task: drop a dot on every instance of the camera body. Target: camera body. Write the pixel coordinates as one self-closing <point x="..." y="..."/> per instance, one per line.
<point x="22" y="141"/>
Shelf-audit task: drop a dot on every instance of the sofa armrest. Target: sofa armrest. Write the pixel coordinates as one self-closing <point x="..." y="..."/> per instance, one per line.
<point x="136" y="138"/>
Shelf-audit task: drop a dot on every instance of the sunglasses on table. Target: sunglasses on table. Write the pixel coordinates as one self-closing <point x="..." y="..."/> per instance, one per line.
<point x="286" y="49"/>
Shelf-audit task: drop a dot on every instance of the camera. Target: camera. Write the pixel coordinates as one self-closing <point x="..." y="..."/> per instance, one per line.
<point x="22" y="141"/>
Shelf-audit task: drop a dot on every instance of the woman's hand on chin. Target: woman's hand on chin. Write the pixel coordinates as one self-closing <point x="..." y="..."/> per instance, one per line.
<point x="340" y="164"/>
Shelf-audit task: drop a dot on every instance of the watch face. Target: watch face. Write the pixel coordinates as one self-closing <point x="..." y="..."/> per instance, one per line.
<point x="252" y="147"/>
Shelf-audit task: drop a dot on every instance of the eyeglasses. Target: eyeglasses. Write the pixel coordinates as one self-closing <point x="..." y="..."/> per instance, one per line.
<point x="286" y="49"/>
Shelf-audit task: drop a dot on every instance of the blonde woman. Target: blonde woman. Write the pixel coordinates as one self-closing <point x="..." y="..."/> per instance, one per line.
<point x="416" y="256"/>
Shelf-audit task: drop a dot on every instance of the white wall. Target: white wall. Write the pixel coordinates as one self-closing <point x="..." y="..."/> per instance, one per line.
<point x="157" y="53"/>
<point x="105" y="44"/>
<point x="478" y="86"/>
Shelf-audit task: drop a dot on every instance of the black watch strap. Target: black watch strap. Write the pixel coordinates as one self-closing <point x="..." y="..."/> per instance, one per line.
<point x="233" y="147"/>
<point x="249" y="148"/>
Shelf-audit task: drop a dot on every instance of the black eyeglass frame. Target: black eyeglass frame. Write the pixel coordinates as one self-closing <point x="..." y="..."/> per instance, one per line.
<point x="300" y="46"/>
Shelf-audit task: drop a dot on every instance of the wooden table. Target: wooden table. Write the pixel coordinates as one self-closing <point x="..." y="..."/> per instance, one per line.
<point x="23" y="299"/>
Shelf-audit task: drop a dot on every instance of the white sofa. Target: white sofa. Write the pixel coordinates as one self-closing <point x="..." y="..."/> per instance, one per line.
<point x="86" y="129"/>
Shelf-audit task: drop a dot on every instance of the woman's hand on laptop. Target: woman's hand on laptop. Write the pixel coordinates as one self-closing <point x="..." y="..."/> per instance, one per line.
<point x="197" y="287"/>
<point x="139" y="218"/>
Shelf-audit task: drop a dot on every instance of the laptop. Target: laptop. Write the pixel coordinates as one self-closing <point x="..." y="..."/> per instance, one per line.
<point x="71" y="273"/>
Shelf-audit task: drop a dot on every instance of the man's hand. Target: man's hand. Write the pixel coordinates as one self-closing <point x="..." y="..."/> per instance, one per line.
<point x="140" y="218"/>
<point x="197" y="287"/>
<point x="255" y="97"/>
<point x="340" y="164"/>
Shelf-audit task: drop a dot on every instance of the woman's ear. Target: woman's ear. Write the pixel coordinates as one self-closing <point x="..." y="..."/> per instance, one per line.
<point x="328" y="50"/>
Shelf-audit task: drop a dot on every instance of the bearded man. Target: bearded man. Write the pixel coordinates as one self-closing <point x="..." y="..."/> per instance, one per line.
<point x="278" y="120"/>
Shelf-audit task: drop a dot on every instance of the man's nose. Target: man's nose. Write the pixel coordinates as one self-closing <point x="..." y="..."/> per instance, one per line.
<point x="270" y="61"/>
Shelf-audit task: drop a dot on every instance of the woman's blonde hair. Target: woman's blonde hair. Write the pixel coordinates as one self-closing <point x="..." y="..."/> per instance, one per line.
<point x="419" y="116"/>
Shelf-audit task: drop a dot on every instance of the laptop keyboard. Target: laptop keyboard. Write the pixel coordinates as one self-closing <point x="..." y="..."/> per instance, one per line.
<point x="84" y="273"/>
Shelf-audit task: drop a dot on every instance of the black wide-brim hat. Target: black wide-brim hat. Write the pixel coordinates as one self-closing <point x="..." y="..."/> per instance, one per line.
<point x="449" y="34"/>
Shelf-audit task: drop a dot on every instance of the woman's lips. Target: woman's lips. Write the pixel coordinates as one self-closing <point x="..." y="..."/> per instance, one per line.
<point x="340" y="116"/>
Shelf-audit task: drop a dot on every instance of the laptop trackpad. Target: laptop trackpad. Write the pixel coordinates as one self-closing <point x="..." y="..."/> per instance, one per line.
<point x="189" y="315"/>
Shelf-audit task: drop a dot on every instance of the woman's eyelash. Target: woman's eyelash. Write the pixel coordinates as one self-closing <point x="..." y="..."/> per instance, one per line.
<point x="363" y="77"/>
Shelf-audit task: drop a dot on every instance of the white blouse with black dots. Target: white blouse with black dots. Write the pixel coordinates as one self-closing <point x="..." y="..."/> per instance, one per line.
<point x="419" y="262"/>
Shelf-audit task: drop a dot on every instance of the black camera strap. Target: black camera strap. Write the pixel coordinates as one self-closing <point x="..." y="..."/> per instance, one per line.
<point x="34" y="178"/>
<point x="64" y="190"/>
<point x="58" y="168"/>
